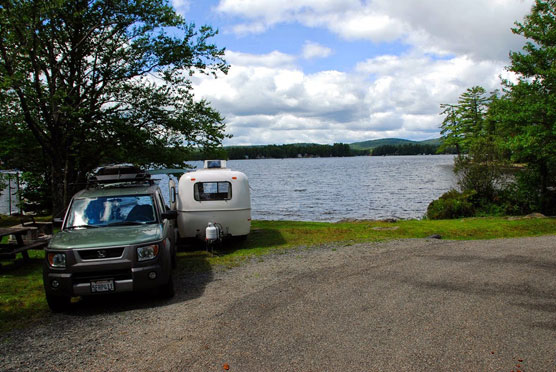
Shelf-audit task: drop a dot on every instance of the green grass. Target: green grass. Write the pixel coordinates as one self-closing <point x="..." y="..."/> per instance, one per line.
<point x="22" y="298"/>
<point x="271" y="236"/>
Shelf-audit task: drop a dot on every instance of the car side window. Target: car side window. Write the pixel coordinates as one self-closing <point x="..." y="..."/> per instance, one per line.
<point x="160" y="202"/>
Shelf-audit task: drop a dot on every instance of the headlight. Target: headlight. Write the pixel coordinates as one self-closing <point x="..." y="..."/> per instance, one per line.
<point x="57" y="259"/>
<point x="147" y="252"/>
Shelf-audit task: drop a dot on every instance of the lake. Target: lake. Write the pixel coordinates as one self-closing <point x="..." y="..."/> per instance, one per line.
<point x="333" y="189"/>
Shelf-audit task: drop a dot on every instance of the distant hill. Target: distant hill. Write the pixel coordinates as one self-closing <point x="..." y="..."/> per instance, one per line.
<point x="369" y="145"/>
<point x="434" y="141"/>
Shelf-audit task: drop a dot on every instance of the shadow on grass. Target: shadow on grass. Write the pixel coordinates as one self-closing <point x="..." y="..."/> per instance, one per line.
<point x="20" y="267"/>
<point x="193" y="252"/>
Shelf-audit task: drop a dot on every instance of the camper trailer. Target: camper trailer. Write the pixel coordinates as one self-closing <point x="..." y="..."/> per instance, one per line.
<point x="213" y="203"/>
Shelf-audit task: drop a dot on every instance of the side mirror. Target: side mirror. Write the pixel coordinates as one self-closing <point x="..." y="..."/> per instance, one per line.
<point x="169" y="215"/>
<point x="57" y="222"/>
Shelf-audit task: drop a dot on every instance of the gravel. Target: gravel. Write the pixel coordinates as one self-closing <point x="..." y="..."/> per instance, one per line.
<point x="414" y="305"/>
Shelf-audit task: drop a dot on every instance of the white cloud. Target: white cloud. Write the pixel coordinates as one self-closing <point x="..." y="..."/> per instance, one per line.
<point x="314" y="50"/>
<point x="273" y="59"/>
<point x="451" y="46"/>
<point x="181" y="6"/>
<point x="473" y="27"/>
<point x="387" y="96"/>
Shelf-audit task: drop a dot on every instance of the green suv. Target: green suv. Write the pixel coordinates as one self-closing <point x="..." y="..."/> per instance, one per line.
<point x="117" y="236"/>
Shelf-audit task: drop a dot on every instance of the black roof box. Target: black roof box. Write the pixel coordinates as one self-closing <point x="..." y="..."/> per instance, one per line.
<point x="115" y="173"/>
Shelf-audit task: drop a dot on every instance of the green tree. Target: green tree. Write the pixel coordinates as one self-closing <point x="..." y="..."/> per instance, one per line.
<point x="98" y="81"/>
<point x="464" y="122"/>
<point x="470" y="127"/>
<point x="528" y="112"/>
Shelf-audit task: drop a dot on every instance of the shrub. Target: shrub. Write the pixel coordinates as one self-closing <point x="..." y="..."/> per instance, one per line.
<point x="453" y="204"/>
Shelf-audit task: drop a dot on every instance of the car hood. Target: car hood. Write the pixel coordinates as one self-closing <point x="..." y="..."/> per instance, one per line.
<point x="107" y="236"/>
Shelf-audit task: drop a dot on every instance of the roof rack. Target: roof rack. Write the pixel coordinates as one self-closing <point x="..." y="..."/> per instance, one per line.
<point x="118" y="173"/>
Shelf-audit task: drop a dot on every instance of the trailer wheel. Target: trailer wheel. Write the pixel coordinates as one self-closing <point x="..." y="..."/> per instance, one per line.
<point x="241" y="238"/>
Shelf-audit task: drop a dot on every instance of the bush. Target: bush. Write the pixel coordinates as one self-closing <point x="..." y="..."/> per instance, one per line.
<point x="453" y="204"/>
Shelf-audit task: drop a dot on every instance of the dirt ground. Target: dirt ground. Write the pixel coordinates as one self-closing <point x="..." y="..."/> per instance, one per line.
<point x="408" y="305"/>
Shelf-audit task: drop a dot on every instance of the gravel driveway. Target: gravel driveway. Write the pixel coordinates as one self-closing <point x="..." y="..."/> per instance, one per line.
<point x="409" y="305"/>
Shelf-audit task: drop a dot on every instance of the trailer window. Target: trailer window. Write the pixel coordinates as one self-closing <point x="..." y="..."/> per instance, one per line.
<point x="213" y="191"/>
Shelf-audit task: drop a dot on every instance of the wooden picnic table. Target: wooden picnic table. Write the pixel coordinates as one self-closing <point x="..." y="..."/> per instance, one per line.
<point x="10" y="250"/>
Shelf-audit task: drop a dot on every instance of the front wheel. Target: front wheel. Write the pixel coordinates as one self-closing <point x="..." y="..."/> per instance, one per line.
<point x="58" y="304"/>
<point x="167" y="290"/>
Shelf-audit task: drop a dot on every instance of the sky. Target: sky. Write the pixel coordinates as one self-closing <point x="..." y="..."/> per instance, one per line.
<point x="327" y="71"/>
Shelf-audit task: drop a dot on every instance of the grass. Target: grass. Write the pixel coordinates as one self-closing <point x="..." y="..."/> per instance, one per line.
<point x="272" y="236"/>
<point x="22" y="300"/>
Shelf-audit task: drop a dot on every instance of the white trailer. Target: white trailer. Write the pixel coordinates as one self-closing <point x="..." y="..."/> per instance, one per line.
<point x="213" y="202"/>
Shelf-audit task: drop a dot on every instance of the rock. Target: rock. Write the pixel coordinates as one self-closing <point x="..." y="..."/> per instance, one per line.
<point x="535" y="215"/>
<point x="527" y="217"/>
<point x="381" y="228"/>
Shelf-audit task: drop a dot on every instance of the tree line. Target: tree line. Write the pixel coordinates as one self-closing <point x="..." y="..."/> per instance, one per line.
<point x="506" y="140"/>
<point x="411" y="149"/>
<point x="292" y="151"/>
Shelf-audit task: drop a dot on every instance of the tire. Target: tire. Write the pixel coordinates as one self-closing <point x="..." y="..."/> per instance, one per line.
<point x="167" y="290"/>
<point x="58" y="304"/>
<point x="174" y="258"/>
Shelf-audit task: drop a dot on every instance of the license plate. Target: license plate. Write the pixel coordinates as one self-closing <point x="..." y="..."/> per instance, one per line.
<point x="102" y="286"/>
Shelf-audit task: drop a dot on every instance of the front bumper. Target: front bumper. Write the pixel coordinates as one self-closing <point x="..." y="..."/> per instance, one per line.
<point x="125" y="272"/>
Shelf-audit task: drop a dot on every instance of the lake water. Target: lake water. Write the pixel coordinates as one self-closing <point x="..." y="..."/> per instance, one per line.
<point x="333" y="189"/>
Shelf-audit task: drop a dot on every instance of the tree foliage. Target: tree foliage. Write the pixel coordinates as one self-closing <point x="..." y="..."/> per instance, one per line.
<point x="86" y="82"/>
<point x="292" y="151"/>
<point x="528" y="112"/>
<point x="408" y="149"/>
<point x="469" y="127"/>
<point x="465" y="121"/>
<point x="518" y="126"/>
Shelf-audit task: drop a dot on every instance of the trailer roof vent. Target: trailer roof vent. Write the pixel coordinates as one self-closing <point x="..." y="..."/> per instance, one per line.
<point x="215" y="164"/>
<point x="117" y="173"/>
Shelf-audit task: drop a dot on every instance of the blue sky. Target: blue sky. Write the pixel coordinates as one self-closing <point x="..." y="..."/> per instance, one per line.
<point x="328" y="71"/>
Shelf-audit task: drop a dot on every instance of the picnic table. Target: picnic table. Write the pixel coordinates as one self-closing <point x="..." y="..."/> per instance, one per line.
<point x="10" y="250"/>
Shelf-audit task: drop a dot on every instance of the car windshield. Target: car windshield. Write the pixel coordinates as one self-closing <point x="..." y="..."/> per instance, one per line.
<point x="111" y="211"/>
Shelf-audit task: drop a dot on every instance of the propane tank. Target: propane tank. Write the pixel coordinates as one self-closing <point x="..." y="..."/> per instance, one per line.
<point x="211" y="233"/>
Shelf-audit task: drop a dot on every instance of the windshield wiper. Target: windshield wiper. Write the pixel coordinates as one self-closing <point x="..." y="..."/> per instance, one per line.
<point x="82" y="227"/>
<point x="126" y="223"/>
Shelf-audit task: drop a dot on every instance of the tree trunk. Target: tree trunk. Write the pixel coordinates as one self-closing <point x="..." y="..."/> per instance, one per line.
<point x="545" y="198"/>
<point x="57" y="188"/>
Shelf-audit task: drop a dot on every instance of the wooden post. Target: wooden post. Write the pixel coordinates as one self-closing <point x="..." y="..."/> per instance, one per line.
<point x="9" y="195"/>
<point x="19" y="194"/>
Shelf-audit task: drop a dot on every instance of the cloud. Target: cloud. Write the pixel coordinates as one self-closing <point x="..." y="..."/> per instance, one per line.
<point x="449" y="46"/>
<point x="181" y="6"/>
<point x="474" y="27"/>
<point x="386" y="96"/>
<point x="314" y="50"/>
<point x="273" y="59"/>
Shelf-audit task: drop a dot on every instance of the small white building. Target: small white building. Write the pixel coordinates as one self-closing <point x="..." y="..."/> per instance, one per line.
<point x="9" y="196"/>
<point x="213" y="197"/>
